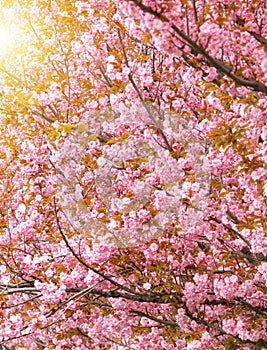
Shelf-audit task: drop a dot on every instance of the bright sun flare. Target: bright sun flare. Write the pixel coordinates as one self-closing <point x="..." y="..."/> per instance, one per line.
<point x="9" y="31"/>
<point x="7" y="38"/>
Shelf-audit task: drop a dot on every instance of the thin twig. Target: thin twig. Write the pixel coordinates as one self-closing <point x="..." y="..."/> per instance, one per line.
<point x="120" y="286"/>
<point x="130" y="75"/>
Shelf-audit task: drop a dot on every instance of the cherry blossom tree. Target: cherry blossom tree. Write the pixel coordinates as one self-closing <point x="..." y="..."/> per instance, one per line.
<point x="133" y="175"/>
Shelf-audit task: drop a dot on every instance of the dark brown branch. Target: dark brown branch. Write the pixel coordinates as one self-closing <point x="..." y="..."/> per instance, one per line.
<point x="197" y="49"/>
<point x="258" y="37"/>
<point x="74" y="297"/>
<point x="141" y="297"/>
<point x="195" y="10"/>
<point x="26" y="290"/>
<point x="153" y="318"/>
<point x="114" y="293"/>
<point x="231" y="230"/>
<point x="43" y="116"/>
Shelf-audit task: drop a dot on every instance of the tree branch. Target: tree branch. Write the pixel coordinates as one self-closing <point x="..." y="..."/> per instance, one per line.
<point x="130" y="75"/>
<point x="120" y="286"/>
<point x="153" y="318"/>
<point x="197" y="49"/>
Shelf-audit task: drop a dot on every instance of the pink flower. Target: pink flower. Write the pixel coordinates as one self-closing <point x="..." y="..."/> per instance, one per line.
<point x="264" y="65"/>
<point x="212" y="74"/>
<point x="154" y="247"/>
<point x="146" y="286"/>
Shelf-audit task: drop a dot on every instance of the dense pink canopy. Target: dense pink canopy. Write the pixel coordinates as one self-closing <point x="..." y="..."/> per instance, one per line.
<point x="133" y="175"/>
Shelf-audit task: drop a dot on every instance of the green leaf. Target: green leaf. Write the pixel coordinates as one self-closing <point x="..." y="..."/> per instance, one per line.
<point x="230" y="345"/>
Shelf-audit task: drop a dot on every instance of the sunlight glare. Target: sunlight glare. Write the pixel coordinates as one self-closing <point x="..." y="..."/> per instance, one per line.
<point x="7" y="38"/>
<point x="9" y="32"/>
